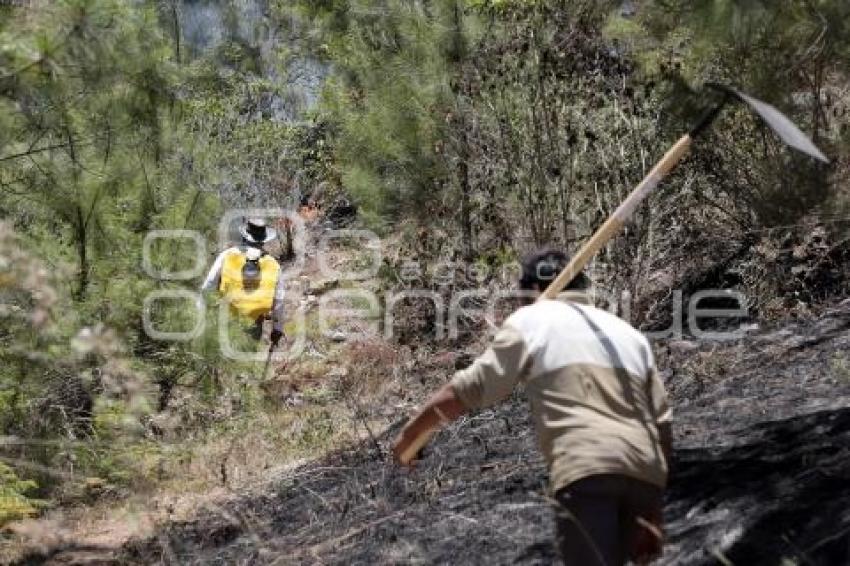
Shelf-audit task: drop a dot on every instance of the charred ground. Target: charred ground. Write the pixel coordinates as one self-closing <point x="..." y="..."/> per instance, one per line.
<point x="762" y="465"/>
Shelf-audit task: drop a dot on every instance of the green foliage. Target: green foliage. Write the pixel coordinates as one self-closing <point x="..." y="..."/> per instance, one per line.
<point x="15" y="503"/>
<point x="520" y="123"/>
<point x="391" y="98"/>
<point x="792" y="54"/>
<point x="90" y="82"/>
<point x="783" y="52"/>
<point x="107" y="135"/>
<point x="502" y="4"/>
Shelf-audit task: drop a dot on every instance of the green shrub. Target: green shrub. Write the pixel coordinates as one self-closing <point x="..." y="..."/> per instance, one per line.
<point x="14" y="502"/>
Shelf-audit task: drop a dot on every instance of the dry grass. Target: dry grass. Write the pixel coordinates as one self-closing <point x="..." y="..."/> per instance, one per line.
<point x="371" y="366"/>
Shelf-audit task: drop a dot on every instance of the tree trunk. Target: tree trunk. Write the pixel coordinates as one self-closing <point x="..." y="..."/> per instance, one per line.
<point x="82" y="253"/>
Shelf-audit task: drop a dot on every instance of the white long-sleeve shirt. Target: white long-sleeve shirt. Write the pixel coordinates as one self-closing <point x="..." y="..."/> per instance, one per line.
<point x="213" y="281"/>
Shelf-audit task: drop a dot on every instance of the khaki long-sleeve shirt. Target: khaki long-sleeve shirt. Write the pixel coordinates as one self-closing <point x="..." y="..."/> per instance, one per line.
<point x="596" y="397"/>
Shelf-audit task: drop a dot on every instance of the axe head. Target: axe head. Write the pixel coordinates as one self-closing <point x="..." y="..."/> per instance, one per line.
<point x="787" y="131"/>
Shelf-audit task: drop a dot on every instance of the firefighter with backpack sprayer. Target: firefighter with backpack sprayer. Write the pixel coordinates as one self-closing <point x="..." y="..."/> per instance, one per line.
<point x="250" y="279"/>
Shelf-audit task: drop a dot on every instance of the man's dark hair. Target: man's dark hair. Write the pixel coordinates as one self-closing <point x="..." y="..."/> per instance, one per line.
<point x="541" y="267"/>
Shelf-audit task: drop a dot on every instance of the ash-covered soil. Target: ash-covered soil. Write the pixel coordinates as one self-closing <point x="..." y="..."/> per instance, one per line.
<point x="762" y="476"/>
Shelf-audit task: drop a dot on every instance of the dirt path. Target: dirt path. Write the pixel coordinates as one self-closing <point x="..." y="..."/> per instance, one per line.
<point x="761" y="475"/>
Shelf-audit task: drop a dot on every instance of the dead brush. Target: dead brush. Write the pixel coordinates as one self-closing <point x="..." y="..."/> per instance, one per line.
<point x="369" y="368"/>
<point x="295" y="379"/>
<point x="705" y="365"/>
<point x="367" y="374"/>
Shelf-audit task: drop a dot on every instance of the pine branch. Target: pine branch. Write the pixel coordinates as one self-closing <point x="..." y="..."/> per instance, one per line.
<point x="42" y="150"/>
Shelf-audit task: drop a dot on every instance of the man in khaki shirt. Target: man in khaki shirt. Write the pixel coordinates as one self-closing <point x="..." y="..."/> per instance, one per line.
<point x="599" y="408"/>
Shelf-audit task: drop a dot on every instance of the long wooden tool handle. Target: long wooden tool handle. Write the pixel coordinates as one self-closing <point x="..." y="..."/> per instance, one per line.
<point x="408" y="455"/>
<point x="620" y="216"/>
